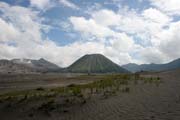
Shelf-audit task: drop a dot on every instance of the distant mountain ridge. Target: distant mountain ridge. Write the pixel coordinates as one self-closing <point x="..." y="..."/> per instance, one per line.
<point x="7" y="66"/>
<point x="26" y="66"/>
<point x="95" y="63"/>
<point x="37" y="64"/>
<point x="90" y="63"/>
<point x="175" y="64"/>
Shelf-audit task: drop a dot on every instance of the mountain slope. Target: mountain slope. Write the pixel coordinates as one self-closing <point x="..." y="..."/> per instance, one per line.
<point x="95" y="63"/>
<point x="39" y="65"/>
<point x="26" y="66"/>
<point x="7" y="66"/>
<point x="44" y="64"/>
<point x="153" y="67"/>
<point x="132" y="67"/>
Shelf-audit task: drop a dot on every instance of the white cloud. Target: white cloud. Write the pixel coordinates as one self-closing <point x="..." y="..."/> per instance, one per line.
<point x="41" y="4"/>
<point x="89" y="26"/>
<point x="156" y="16"/>
<point x="123" y="36"/>
<point x="152" y="55"/>
<point x="21" y="37"/>
<point x="123" y="20"/>
<point x="21" y="31"/>
<point x="7" y="31"/>
<point x="106" y="17"/>
<point x="119" y="44"/>
<point x="118" y="57"/>
<point x="67" y="3"/>
<point x="46" y="4"/>
<point x="149" y="27"/>
<point x="20" y="21"/>
<point x="122" y="43"/>
<point x="172" y="7"/>
<point x="170" y="41"/>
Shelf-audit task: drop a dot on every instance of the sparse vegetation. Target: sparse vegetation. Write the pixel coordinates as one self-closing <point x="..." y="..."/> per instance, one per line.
<point x="107" y="84"/>
<point x="126" y="89"/>
<point x="40" y="89"/>
<point x="61" y="100"/>
<point x="47" y="107"/>
<point x="155" y="80"/>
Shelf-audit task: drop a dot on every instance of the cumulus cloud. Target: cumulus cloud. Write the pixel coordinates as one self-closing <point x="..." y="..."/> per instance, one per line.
<point x="156" y="16"/>
<point x="21" y="37"/>
<point x="124" y="36"/>
<point x="21" y="22"/>
<point x="90" y="26"/>
<point x="121" y="20"/>
<point x="170" y="41"/>
<point x="171" y="7"/>
<point x="152" y="55"/>
<point x="101" y="17"/>
<point x="7" y="31"/>
<point x="119" y="44"/>
<point x="152" y="30"/>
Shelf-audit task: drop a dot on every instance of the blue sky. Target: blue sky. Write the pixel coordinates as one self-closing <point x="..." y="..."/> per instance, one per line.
<point x="139" y="31"/>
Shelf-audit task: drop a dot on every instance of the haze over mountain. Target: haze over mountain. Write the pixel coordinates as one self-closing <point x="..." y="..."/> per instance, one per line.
<point x="40" y="64"/>
<point x="175" y="64"/>
<point x="7" y="66"/>
<point x="95" y="63"/>
<point x="26" y="66"/>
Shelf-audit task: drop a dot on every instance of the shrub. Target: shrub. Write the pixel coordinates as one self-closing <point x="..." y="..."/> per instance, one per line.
<point x="76" y="90"/>
<point x="40" y="89"/>
<point x="126" y="89"/>
<point x="48" y="106"/>
<point x="71" y="85"/>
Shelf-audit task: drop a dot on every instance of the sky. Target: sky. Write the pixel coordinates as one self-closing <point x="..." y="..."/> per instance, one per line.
<point x="61" y="31"/>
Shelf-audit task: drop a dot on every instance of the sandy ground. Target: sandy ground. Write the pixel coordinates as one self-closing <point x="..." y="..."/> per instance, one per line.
<point x="12" y="82"/>
<point x="143" y="102"/>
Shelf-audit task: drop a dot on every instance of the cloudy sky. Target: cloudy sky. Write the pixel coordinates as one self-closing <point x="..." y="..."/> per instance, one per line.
<point x="61" y="31"/>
